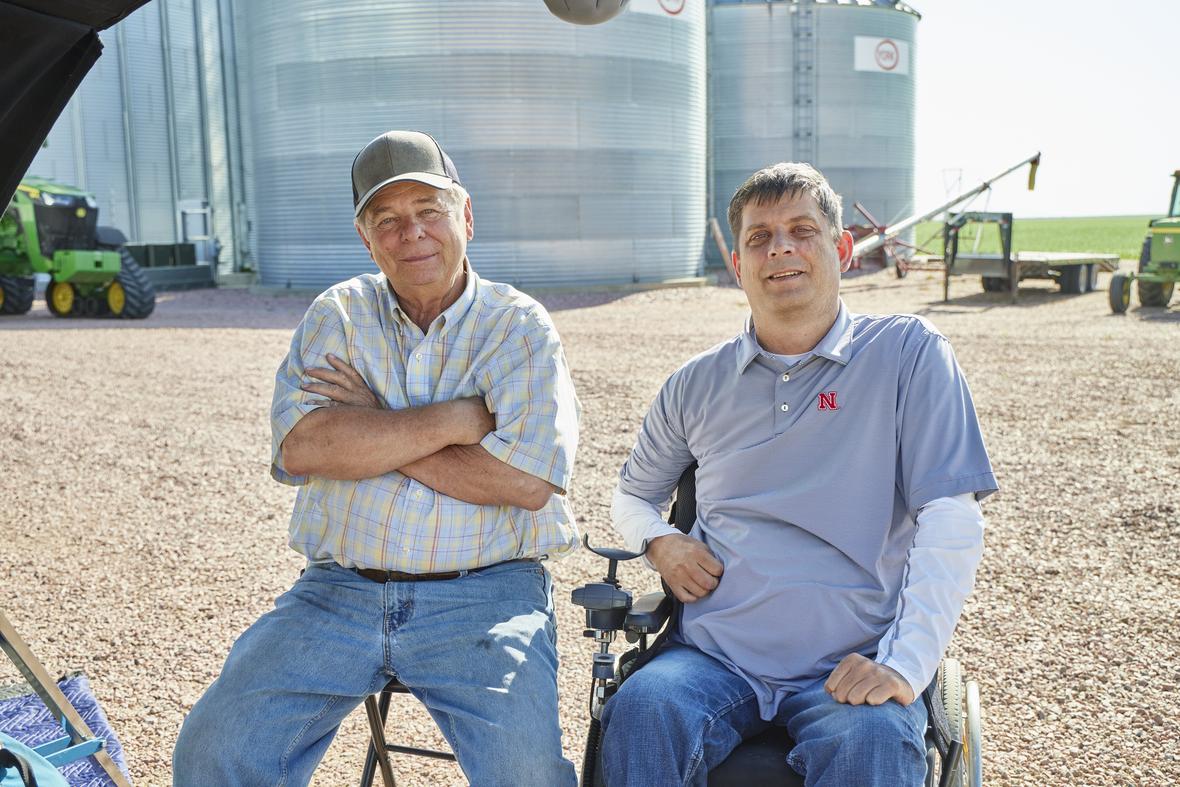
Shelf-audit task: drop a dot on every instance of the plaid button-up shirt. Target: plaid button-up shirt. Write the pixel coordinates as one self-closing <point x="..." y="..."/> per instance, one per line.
<point x="493" y="342"/>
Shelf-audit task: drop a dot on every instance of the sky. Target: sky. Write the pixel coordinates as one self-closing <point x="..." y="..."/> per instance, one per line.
<point x="1094" y="86"/>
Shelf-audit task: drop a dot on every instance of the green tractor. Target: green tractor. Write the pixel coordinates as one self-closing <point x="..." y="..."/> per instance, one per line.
<point x="1159" y="262"/>
<point x="53" y="229"/>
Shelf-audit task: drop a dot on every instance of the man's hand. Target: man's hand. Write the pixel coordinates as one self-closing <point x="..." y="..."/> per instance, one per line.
<point x="686" y="564"/>
<point x="341" y="385"/>
<point x="859" y="681"/>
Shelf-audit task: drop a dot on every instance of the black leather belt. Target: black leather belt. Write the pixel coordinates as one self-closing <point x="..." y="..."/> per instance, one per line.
<point x="380" y="575"/>
<point x="377" y="575"/>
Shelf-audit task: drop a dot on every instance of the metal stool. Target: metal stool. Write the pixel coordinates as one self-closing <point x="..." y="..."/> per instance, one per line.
<point x="377" y="709"/>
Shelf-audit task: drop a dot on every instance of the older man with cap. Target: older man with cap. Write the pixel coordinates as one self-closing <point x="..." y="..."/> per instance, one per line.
<point x="429" y="420"/>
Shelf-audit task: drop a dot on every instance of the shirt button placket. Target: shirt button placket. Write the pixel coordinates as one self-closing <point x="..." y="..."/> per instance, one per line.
<point x="782" y="408"/>
<point x="418" y="376"/>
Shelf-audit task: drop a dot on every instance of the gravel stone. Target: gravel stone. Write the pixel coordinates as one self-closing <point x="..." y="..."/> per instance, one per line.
<point x="143" y="533"/>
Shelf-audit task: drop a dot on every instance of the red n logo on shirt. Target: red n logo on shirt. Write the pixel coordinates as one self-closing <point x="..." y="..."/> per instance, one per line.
<point x="827" y="401"/>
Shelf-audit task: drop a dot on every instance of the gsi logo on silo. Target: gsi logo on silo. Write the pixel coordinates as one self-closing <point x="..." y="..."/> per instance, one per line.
<point x="884" y="55"/>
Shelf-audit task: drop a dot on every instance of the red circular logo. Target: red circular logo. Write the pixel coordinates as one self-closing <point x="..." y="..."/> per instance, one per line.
<point x="887" y="55"/>
<point x="673" y="7"/>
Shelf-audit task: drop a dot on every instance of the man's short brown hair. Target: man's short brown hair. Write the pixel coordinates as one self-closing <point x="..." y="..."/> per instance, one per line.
<point x="787" y="178"/>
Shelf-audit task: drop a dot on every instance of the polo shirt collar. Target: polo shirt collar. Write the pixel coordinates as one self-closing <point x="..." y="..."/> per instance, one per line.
<point x="748" y="348"/>
<point x="835" y="346"/>
<point x="837" y="343"/>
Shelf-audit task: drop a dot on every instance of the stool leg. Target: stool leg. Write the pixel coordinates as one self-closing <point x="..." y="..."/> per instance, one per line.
<point x="378" y="754"/>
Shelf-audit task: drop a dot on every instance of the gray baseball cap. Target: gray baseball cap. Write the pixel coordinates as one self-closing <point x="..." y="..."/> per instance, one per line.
<point x="396" y="156"/>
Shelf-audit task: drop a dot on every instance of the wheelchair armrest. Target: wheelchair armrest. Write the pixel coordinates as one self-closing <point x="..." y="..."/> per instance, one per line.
<point x="649" y="614"/>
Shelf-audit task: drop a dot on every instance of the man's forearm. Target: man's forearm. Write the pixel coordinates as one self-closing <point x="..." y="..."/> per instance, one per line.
<point x="469" y="473"/>
<point x="942" y="563"/>
<point x="637" y="520"/>
<point x="350" y="443"/>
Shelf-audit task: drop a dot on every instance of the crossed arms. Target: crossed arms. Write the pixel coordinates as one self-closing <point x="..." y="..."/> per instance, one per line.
<point x="352" y="437"/>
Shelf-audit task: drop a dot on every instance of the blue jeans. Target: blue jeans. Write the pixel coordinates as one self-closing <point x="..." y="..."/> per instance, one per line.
<point x="684" y="712"/>
<point x="478" y="651"/>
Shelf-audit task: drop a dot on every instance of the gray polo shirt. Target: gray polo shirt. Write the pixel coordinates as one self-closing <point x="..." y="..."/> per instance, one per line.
<point x="809" y="482"/>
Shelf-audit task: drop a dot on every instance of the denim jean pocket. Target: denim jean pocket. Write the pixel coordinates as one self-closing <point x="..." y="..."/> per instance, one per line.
<point x="525" y="580"/>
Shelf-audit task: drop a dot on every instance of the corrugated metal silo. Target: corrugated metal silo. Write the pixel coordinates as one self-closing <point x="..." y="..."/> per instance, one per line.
<point x="98" y="162"/>
<point x="583" y="148"/>
<point x="148" y="131"/>
<point x="830" y="83"/>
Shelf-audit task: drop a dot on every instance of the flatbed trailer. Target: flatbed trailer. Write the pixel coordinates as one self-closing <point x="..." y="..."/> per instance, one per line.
<point x="1075" y="272"/>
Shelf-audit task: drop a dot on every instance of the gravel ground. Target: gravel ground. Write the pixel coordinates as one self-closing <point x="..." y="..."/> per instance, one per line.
<point x="143" y="534"/>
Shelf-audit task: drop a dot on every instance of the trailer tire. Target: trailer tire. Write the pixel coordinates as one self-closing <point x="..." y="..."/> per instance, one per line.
<point x="1120" y="293"/>
<point x="1090" y="278"/>
<point x="1154" y="293"/>
<point x="16" y="294"/>
<point x="1071" y="279"/>
<point x="994" y="284"/>
<point x="136" y="295"/>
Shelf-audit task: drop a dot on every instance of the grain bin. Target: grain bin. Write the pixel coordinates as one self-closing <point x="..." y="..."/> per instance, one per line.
<point x="150" y="131"/>
<point x="830" y="83"/>
<point x="583" y="148"/>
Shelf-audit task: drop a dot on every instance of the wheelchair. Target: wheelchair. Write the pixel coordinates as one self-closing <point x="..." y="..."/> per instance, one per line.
<point x="953" y="734"/>
<point x="954" y="731"/>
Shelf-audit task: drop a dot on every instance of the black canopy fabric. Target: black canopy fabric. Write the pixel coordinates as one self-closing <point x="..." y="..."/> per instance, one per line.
<point x="98" y="14"/>
<point x="46" y="48"/>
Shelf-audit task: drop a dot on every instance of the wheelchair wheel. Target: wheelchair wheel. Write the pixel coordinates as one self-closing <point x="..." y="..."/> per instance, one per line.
<point x="950" y="683"/>
<point x="973" y="740"/>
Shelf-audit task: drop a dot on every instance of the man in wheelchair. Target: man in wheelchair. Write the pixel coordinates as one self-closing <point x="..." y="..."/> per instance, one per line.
<point x="837" y="532"/>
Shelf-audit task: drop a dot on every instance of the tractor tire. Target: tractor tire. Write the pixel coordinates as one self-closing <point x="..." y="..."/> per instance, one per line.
<point x="1153" y="293"/>
<point x="62" y="298"/>
<point x="1071" y="279"/>
<point x="1120" y="293"/>
<point x="131" y="296"/>
<point x="16" y="294"/>
<point x="994" y="284"/>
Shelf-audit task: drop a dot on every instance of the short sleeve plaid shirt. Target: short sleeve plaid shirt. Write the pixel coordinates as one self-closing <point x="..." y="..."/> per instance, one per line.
<point x="493" y="342"/>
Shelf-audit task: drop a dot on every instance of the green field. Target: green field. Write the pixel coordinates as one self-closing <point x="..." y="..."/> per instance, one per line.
<point x="1121" y="235"/>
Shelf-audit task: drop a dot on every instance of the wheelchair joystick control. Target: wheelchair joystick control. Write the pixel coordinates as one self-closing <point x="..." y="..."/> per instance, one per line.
<point x="606" y="605"/>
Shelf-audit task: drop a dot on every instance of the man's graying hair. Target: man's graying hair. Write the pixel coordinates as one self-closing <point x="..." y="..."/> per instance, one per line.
<point x="770" y="184"/>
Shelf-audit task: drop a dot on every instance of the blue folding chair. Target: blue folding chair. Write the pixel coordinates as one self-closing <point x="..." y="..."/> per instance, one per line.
<point x="77" y="741"/>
